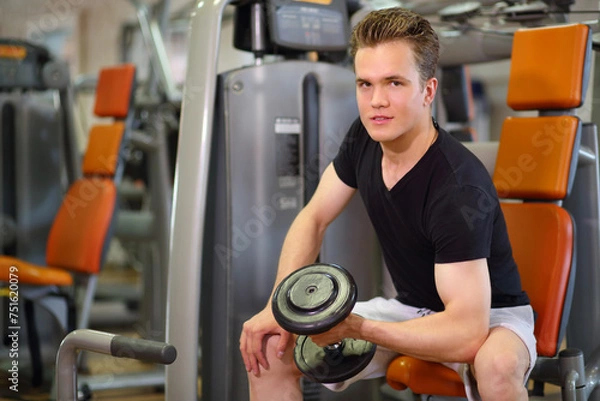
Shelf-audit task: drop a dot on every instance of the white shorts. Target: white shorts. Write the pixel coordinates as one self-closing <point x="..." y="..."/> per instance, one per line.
<point x="518" y="319"/>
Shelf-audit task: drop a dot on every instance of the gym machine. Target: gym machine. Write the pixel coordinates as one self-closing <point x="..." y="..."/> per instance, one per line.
<point x="148" y="228"/>
<point x="583" y="330"/>
<point x="243" y="168"/>
<point x="38" y="145"/>
<point x="253" y="143"/>
<point x="39" y="158"/>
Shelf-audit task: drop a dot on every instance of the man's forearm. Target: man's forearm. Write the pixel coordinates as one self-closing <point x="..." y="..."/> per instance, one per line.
<point x="300" y="247"/>
<point x="440" y="337"/>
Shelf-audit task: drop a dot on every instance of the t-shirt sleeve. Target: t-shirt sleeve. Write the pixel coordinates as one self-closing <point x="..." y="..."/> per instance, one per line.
<point x="461" y="224"/>
<point x="345" y="161"/>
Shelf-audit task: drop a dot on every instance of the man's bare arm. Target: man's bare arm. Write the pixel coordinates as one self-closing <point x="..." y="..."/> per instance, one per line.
<point x="453" y="335"/>
<point x="303" y="240"/>
<point x="301" y="247"/>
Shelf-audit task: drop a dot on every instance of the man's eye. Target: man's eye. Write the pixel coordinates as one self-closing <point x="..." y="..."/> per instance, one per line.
<point x="396" y="83"/>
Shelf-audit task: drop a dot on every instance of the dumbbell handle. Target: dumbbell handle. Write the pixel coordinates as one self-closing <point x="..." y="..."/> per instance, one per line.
<point x="334" y="346"/>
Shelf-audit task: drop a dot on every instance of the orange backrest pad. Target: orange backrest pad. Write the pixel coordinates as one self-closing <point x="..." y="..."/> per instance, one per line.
<point x="114" y="91"/>
<point x="104" y="144"/>
<point x="548" y="67"/>
<point x="536" y="157"/>
<point x="78" y="234"/>
<point x="541" y="235"/>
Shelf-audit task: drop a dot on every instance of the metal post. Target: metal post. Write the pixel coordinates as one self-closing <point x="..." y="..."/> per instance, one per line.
<point x="152" y="35"/>
<point x="161" y="195"/>
<point x="572" y="374"/>
<point x="259" y="39"/>
<point x="592" y="373"/>
<point x="66" y="359"/>
<point x="583" y="330"/>
<point x="189" y="202"/>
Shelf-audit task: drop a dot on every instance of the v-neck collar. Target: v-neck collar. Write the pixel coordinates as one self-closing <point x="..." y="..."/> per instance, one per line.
<point x="409" y="173"/>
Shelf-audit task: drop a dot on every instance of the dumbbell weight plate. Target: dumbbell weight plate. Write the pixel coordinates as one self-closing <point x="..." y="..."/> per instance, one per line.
<point x="326" y="365"/>
<point x="314" y="299"/>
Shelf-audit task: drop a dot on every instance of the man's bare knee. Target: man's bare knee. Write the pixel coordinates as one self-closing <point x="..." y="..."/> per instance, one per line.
<point x="501" y="373"/>
<point x="281" y="381"/>
<point x="284" y="366"/>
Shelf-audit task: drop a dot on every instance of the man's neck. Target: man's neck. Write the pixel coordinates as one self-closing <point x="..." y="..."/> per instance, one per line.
<point x="409" y="148"/>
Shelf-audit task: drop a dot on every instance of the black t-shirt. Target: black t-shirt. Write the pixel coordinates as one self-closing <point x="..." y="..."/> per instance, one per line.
<point x="444" y="210"/>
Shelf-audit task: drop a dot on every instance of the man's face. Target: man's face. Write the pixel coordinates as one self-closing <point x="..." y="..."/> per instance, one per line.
<point x="391" y="99"/>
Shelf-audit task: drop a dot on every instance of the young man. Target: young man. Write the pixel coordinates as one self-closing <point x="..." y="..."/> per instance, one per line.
<point x="459" y="299"/>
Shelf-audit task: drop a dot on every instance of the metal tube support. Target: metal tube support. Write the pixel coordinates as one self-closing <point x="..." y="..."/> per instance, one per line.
<point x="73" y="156"/>
<point x="572" y="373"/>
<point x="104" y="343"/>
<point x="161" y="194"/>
<point x="546" y="370"/>
<point x="66" y="359"/>
<point x="144" y="141"/>
<point x="569" y="389"/>
<point x="592" y="372"/>
<point x="583" y="329"/>
<point x="111" y="381"/>
<point x="165" y="13"/>
<point x="56" y="76"/>
<point x="85" y="300"/>
<point x="586" y="156"/>
<point x="259" y="39"/>
<point x="155" y="45"/>
<point x="189" y="200"/>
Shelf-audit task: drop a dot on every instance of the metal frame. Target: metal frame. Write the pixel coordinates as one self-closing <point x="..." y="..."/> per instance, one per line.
<point x="189" y="202"/>
<point x="104" y="343"/>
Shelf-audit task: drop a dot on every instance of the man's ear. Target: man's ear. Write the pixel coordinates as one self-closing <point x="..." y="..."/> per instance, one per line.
<point x="430" y="90"/>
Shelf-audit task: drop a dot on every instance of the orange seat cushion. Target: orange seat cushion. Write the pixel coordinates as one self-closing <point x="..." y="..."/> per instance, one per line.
<point x="424" y="377"/>
<point x="12" y="269"/>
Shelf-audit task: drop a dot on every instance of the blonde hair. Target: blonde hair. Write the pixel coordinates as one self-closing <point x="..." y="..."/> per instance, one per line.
<point x="394" y="24"/>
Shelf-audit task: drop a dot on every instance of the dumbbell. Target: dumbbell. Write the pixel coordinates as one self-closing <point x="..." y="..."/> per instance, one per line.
<point x="310" y="301"/>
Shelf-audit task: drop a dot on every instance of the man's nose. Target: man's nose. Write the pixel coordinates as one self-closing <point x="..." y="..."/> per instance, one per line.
<point x="379" y="98"/>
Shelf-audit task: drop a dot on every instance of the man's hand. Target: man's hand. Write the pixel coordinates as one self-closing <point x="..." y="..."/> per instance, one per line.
<point x="252" y="340"/>
<point x="349" y="328"/>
